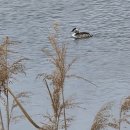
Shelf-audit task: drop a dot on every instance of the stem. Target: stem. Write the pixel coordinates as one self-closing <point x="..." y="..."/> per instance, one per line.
<point x="53" y="105"/>
<point x="49" y="91"/>
<point x="23" y="110"/>
<point x="120" y="119"/>
<point x="64" y="109"/>
<point x="1" y="122"/>
<point x="7" y="110"/>
<point x="6" y="83"/>
<point x="120" y="116"/>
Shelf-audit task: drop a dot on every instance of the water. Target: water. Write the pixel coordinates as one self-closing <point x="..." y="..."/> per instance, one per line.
<point x="103" y="59"/>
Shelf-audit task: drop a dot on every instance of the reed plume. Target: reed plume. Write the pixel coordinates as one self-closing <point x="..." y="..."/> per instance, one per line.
<point x="7" y="71"/>
<point x="104" y="119"/>
<point x="55" y="85"/>
<point x="124" y="111"/>
<point x="101" y="120"/>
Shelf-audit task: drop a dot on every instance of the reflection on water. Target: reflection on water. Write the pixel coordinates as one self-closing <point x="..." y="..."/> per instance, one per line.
<point x="103" y="59"/>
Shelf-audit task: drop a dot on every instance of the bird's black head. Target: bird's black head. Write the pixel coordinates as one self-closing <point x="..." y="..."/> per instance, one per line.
<point x="73" y="29"/>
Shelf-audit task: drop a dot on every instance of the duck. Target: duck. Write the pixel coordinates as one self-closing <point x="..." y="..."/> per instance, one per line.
<point x="79" y="35"/>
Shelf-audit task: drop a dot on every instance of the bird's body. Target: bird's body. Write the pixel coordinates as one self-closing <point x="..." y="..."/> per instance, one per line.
<point x="78" y="35"/>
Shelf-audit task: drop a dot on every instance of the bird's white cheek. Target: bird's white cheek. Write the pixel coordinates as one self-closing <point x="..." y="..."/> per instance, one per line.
<point x="73" y="35"/>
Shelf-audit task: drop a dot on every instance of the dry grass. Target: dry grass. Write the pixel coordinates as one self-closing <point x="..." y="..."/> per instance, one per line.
<point x="58" y="119"/>
<point x="101" y="120"/>
<point x="6" y="72"/>
<point x="22" y="97"/>
<point x="104" y="119"/>
<point x="124" y="112"/>
<point x="55" y="85"/>
<point x="1" y="122"/>
<point x="125" y="106"/>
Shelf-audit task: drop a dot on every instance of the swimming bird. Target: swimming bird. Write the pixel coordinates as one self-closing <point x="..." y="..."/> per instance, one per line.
<point x="79" y="35"/>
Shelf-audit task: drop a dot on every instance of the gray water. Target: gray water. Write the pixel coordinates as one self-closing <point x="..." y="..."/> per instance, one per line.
<point x="103" y="59"/>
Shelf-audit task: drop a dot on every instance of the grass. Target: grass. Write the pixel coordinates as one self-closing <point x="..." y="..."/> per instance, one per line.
<point x="104" y="118"/>
<point x="54" y="83"/>
<point x="6" y="72"/>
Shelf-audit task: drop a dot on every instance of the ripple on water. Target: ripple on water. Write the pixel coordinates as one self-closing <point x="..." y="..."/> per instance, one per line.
<point x="103" y="59"/>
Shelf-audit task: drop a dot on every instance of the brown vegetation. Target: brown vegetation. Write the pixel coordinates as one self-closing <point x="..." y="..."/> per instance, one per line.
<point x="55" y="85"/>
<point x="6" y="72"/>
<point x="104" y="118"/>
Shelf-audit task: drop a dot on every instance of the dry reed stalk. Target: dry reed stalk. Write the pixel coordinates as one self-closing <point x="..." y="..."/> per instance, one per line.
<point x="1" y="122"/>
<point x="21" y="98"/>
<point x="101" y="120"/>
<point x="23" y="110"/>
<point x="58" y="78"/>
<point x="125" y="107"/>
<point x="6" y="72"/>
<point x="55" y="85"/>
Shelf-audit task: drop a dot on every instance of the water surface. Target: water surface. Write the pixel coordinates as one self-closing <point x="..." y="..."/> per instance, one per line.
<point x="103" y="59"/>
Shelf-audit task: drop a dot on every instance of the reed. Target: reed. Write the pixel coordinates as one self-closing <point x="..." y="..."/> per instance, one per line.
<point x="22" y="97"/>
<point x="104" y="118"/>
<point x="124" y="112"/>
<point x="54" y="83"/>
<point x="4" y="75"/>
<point x="1" y="121"/>
<point x="6" y="72"/>
<point x="101" y="120"/>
